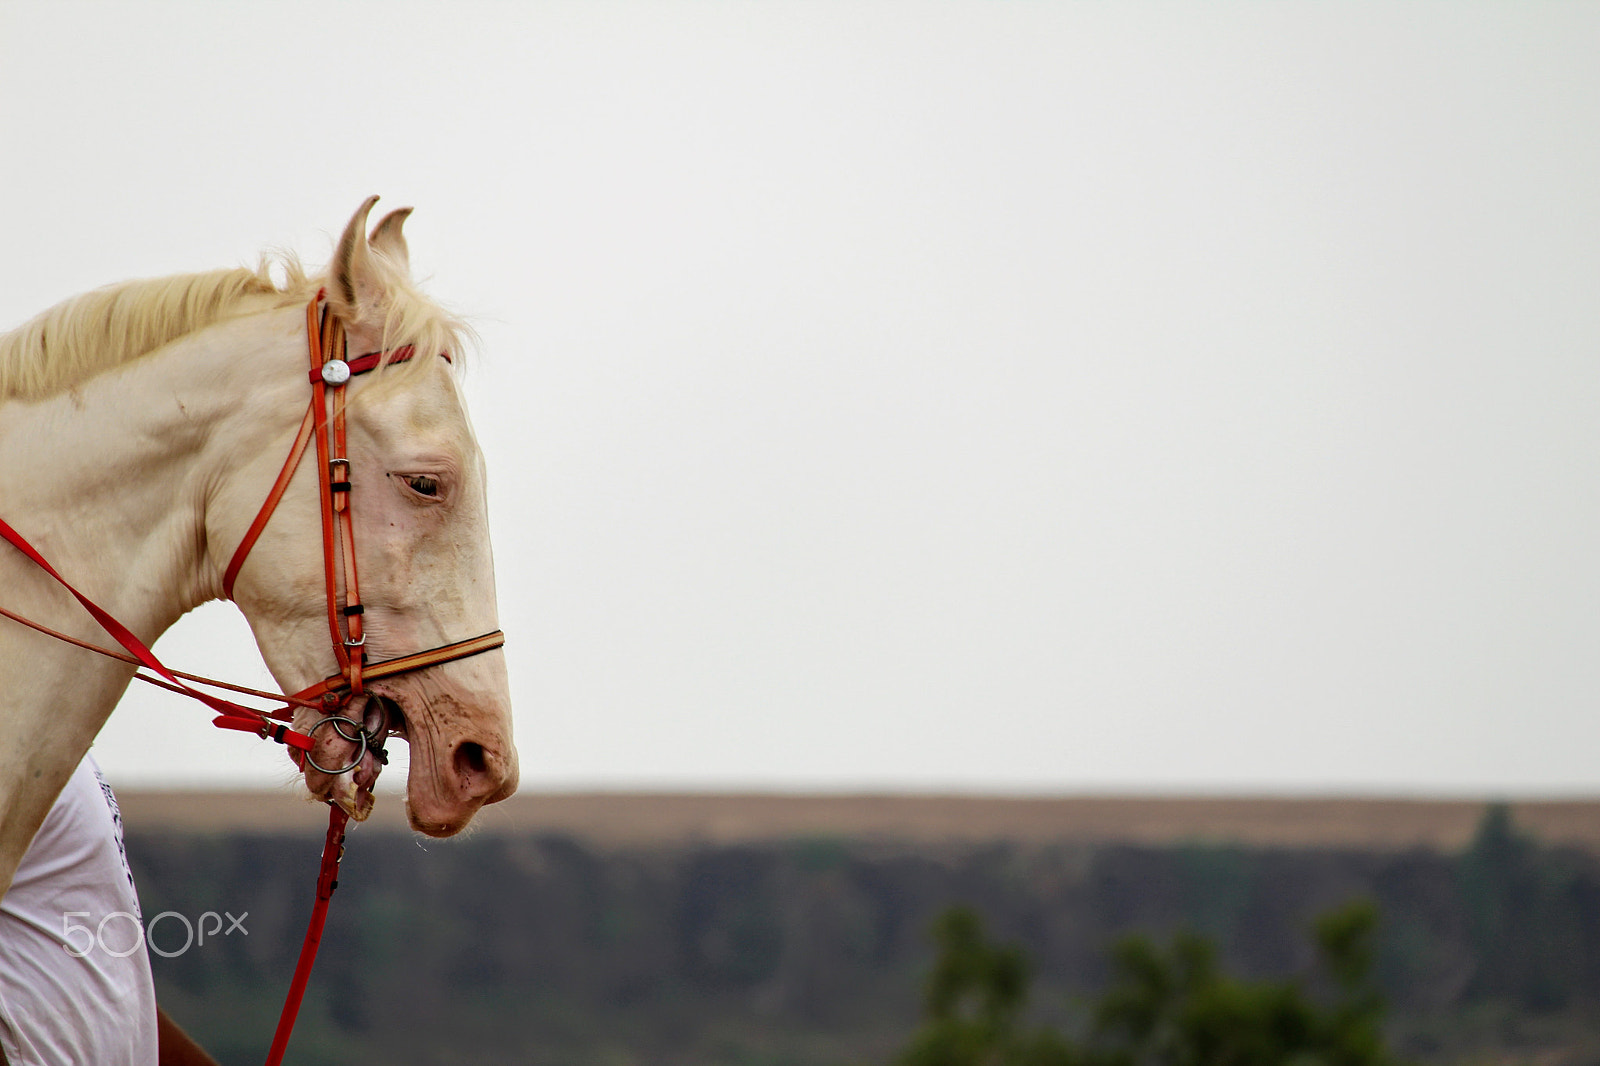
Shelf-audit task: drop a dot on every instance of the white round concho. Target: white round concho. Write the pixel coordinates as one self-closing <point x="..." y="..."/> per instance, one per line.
<point x="336" y="372"/>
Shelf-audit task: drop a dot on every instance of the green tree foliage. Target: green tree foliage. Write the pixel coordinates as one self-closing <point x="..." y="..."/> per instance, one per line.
<point x="973" y="999"/>
<point x="1165" y="1006"/>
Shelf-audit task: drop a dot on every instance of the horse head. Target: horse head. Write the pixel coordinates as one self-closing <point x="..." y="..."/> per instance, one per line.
<point x="421" y="536"/>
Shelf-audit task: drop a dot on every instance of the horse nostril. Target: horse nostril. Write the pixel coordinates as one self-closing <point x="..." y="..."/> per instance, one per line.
<point x="470" y="760"/>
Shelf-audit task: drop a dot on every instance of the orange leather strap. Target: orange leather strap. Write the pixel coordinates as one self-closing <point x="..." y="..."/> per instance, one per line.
<point x="344" y="519"/>
<point x="279" y="487"/>
<point x="446" y="653"/>
<point x="320" y="340"/>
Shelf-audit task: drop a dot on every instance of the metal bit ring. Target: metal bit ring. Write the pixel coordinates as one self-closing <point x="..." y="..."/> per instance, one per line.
<point x="374" y="739"/>
<point x="360" y="738"/>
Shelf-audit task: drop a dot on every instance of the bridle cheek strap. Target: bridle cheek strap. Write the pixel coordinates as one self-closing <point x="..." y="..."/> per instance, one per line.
<point x="338" y="535"/>
<point x="324" y="338"/>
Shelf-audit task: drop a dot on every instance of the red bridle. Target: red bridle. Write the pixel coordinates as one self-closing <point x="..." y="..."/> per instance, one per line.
<point x="325" y="422"/>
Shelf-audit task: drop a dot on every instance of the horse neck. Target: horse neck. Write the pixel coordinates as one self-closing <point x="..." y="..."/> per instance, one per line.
<point x="110" y="480"/>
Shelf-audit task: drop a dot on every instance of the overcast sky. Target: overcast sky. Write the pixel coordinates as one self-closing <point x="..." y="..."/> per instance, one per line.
<point x="1011" y="397"/>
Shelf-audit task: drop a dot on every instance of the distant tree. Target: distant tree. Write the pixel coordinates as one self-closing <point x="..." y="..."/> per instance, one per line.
<point x="972" y="1000"/>
<point x="1164" y="1007"/>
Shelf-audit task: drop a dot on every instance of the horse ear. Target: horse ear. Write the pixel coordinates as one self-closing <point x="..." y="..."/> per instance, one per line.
<point x="353" y="280"/>
<point x="387" y="238"/>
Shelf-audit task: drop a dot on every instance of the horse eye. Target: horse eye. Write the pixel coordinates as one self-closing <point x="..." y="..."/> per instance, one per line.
<point x="423" y="484"/>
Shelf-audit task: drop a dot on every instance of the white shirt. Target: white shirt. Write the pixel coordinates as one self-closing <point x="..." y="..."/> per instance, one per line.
<point x="75" y="984"/>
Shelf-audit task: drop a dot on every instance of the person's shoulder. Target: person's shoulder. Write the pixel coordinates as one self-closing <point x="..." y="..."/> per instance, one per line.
<point x="79" y="821"/>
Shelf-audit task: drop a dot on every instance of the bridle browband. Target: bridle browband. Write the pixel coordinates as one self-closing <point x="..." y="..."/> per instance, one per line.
<point x="325" y="422"/>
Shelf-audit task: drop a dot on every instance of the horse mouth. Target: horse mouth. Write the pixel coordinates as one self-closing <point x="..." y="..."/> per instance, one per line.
<point x="353" y="788"/>
<point x="450" y="776"/>
<point x="394" y="718"/>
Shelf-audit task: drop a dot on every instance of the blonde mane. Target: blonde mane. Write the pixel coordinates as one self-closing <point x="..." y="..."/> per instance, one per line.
<point x="88" y="334"/>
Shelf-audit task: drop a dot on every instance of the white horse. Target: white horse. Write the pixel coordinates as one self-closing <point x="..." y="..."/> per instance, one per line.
<point x="140" y="428"/>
